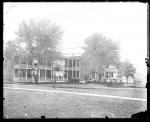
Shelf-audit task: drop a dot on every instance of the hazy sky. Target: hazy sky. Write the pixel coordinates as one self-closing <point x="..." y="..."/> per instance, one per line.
<point x="123" y="22"/>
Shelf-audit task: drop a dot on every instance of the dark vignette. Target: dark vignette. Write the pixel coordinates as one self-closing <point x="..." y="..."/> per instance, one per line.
<point x="146" y="114"/>
<point x="139" y="115"/>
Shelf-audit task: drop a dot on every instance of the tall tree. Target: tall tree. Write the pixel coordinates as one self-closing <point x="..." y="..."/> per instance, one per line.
<point x="100" y="52"/>
<point x="41" y="38"/>
<point x="35" y="38"/>
<point x="10" y="50"/>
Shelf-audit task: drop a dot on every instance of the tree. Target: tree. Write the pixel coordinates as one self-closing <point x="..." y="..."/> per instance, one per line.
<point x="11" y="49"/>
<point x="128" y="69"/>
<point x="100" y="52"/>
<point x="41" y="39"/>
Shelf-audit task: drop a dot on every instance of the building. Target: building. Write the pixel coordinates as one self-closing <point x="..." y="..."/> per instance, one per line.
<point x="112" y="74"/>
<point x="71" y="70"/>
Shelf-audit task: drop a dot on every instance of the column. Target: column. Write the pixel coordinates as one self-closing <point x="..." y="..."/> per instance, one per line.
<point x="63" y="75"/>
<point x="67" y="69"/>
<point x="45" y="74"/>
<point x="79" y="69"/>
<point x="83" y="74"/>
<point x="18" y="73"/>
<point x="39" y="74"/>
<point x="74" y="73"/>
<point x="32" y="71"/>
<point x="72" y="68"/>
<point x="14" y="69"/>
<point x="26" y="68"/>
<point x="76" y="68"/>
<point x="54" y="76"/>
<point x="26" y="73"/>
<point x="46" y="70"/>
<point x="82" y="69"/>
<point x="51" y="75"/>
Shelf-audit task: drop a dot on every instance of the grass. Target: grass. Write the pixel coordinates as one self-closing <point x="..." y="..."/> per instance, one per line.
<point x="27" y="104"/>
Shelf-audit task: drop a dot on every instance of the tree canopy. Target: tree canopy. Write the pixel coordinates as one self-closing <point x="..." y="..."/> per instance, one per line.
<point x="41" y="38"/>
<point x="127" y="68"/>
<point x="100" y="52"/>
<point x="11" y="49"/>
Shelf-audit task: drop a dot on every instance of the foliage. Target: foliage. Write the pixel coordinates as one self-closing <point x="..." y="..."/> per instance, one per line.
<point x="100" y="52"/>
<point x="41" y="39"/>
<point x="11" y="49"/>
<point x="127" y="68"/>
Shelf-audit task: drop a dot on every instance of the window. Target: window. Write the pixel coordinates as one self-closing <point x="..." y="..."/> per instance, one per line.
<point x="22" y="73"/>
<point x="66" y="61"/>
<point x="70" y="63"/>
<point x="42" y="73"/>
<point x="48" y="74"/>
<point x="78" y="74"/>
<point x="82" y="63"/>
<point x="16" y="72"/>
<point x="65" y="75"/>
<point x="29" y="74"/>
<point x="74" y="63"/>
<point x="74" y="73"/>
<point x="77" y="63"/>
<point x="69" y="73"/>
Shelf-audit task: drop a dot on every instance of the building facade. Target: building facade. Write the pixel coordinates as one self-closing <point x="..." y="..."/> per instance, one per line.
<point x="112" y="74"/>
<point x="71" y="70"/>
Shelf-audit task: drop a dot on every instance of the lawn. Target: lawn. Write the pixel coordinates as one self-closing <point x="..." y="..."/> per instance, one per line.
<point x="34" y="104"/>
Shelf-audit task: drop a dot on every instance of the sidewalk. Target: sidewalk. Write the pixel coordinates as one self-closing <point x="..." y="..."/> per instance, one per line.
<point x="94" y="86"/>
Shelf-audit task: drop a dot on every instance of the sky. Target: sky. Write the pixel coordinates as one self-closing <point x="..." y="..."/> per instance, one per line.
<point x="125" y="22"/>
